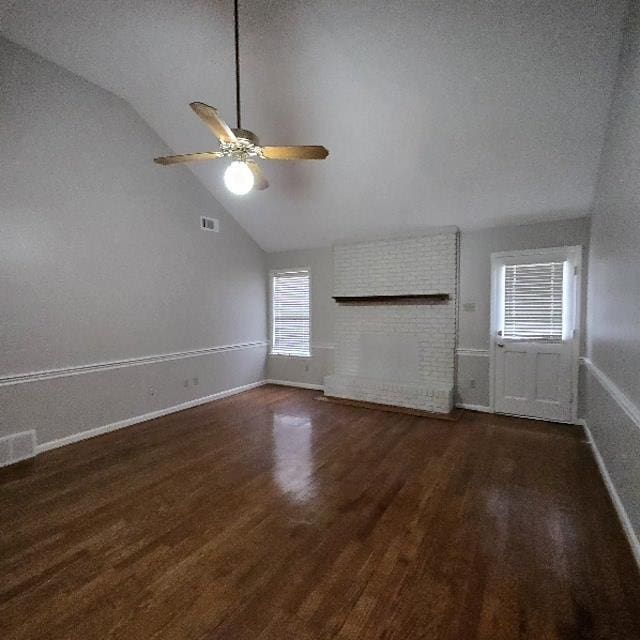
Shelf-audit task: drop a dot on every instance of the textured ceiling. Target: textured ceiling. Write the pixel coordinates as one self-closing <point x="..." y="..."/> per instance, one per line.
<point x="436" y="112"/>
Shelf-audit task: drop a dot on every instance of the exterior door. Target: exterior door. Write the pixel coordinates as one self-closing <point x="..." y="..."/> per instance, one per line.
<point x="535" y="337"/>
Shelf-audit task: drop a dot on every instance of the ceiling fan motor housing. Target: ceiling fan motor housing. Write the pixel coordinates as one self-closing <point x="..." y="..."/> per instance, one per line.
<point x="245" y="134"/>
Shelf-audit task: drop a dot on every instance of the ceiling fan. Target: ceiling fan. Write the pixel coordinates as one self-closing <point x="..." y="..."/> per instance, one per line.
<point x="240" y="145"/>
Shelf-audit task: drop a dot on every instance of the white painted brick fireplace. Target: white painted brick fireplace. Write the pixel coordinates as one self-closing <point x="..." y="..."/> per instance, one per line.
<point x="390" y="352"/>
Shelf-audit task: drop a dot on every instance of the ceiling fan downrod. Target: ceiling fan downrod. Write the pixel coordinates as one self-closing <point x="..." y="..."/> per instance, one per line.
<point x="237" y="43"/>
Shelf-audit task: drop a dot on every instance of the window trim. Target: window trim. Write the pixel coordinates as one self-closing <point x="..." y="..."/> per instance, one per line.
<point x="272" y="274"/>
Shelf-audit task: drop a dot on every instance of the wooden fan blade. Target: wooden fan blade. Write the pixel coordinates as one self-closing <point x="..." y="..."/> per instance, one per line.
<point x="308" y="152"/>
<point x="188" y="157"/>
<point x="260" y="181"/>
<point x="217" y="126"/>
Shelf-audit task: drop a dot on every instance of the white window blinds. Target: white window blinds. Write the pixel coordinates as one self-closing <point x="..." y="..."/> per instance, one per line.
<point x="533" y="301"/>
<point x="290" y="313"/>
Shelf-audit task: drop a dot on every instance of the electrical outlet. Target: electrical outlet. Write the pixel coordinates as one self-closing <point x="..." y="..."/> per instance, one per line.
<point x="472" y="384"/>
<point x="152" y="391"/>
<point x="185" y="384"/>
<point x="196" y="381"/>
<point x="306" y="368"/>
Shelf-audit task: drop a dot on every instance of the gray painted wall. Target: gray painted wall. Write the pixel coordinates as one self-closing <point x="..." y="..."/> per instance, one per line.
<point x="102" y="259"/>
<point x="476" y="248"/>
<point x="309" y="370"/>
<point x="614" y="287"/>
<point x="475" y="287"/>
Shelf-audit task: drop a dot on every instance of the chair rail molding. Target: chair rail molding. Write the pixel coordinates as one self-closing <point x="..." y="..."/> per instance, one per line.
<point x="47" y="374"/>
<point x="631" y="409"/>
<point x="472" y="351"/>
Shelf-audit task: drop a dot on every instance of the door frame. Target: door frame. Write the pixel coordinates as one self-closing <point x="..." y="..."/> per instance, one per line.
<point x="574" y="255"/>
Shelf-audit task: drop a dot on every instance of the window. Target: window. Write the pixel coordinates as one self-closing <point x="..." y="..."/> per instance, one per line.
<point x="533" y="301"/>
<point x="290" y="313"/>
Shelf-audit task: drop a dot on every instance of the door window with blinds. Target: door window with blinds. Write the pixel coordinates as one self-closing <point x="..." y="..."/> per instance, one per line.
<point x="290" y="313"/>
<point x="534" y="301"/>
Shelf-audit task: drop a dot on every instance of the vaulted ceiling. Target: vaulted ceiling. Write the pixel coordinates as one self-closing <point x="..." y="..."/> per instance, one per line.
<point x="436" y="112"/>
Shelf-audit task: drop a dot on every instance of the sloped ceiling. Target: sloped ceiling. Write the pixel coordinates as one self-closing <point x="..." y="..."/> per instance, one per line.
<point x="436" y="112"/>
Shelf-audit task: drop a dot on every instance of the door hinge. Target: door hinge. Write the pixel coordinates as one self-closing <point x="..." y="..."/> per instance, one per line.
<point x="575" y="271"/>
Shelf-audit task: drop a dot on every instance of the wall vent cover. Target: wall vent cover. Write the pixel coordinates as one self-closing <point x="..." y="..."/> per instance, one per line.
<point x="209" y="224"/>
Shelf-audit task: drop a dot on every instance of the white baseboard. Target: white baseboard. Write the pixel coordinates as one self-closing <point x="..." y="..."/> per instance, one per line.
<point x="474" y="407"/>
<point x="484" y="409"/>
<point x="114" y="426"/>
<point x="634" y="543"/>
<point x="300" y="385"/>
<point x="17" y="447"/>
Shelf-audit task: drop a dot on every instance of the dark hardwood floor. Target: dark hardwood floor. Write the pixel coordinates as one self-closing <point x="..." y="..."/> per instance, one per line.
<point x="269" y="515"/>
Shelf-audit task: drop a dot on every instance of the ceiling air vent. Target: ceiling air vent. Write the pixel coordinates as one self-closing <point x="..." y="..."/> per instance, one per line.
<point x="209" y="224"/>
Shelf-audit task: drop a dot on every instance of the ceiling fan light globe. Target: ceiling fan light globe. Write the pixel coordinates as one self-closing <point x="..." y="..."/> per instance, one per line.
<point x="238" y="178"/>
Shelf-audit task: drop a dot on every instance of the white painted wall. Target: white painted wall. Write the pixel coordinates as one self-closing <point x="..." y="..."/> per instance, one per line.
<point x="613" y="385"/>
<point x="102" y="259"/>
<point x="396" y="354"/>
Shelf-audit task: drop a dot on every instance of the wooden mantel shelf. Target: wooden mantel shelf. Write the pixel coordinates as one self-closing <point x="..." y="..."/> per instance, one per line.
<point x="399" y="298"/>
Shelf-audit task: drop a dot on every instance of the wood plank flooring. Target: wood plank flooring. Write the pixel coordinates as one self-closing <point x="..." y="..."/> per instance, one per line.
<point x="270" y="515"/>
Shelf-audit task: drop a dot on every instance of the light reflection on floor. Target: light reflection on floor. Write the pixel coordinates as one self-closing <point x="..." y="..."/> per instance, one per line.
<point x="556" y="525"/>
<point x="293" y="456"/>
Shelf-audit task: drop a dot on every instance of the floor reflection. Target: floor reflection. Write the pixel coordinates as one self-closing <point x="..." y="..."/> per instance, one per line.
<point x="293" y="457"/>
